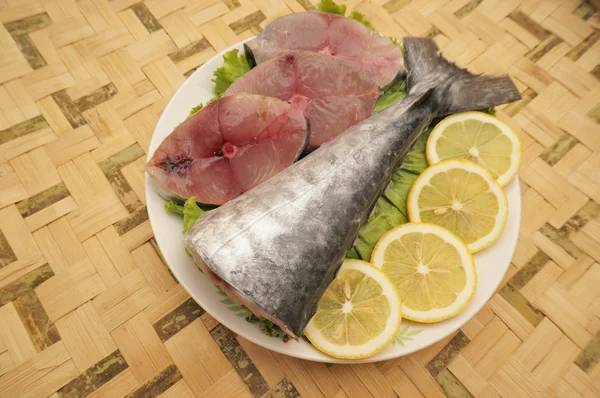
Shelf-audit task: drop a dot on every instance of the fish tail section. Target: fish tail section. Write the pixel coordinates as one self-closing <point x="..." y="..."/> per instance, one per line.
<point x="455" y="89"/>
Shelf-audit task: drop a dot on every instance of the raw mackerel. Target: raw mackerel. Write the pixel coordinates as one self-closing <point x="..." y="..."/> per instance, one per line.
<point x="277" y="247"/>
<point x="374" y="55"/>
<point x="332" y="94"/>
<point x="230" y="146"/>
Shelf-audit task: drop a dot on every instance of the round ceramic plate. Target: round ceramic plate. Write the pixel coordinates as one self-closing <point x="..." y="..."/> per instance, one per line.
<point x="491" y="264"/>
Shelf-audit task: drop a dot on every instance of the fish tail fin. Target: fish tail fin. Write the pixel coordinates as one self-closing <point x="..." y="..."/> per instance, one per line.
<point x="455" y="89"/>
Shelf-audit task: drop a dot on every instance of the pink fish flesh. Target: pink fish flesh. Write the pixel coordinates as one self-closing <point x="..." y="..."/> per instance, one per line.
<point x="332" y="94"/>
<point x="374" y="55"/>
<point x="231" y="145"/>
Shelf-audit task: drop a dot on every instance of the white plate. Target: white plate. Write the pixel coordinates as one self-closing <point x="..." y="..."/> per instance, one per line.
<point x="491" y="264"/>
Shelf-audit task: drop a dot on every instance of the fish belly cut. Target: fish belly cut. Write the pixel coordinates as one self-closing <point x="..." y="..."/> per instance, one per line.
<point x="331" y="93"/>
<point x="230" y="146"/>
<point x="374" y="55"/>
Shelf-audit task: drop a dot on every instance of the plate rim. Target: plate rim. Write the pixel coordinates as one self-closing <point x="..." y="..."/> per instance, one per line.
<point x="317" y="355"/>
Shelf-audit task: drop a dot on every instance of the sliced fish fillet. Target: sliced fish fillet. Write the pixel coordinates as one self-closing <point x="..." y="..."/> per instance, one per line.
<point x="332" y="94"/>
<point x="374" y="55"/>
<point x="231" y="145"/>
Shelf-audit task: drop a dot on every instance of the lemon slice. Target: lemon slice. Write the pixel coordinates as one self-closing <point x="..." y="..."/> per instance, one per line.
<point x="462" y="197"/>
<point x="431" y="267"/>
<point x="478" y="137"/>
<point x="358" y="315"/>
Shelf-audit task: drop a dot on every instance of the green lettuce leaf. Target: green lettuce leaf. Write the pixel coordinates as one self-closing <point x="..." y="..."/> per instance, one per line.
<point x="189" y="210"/>
<point x="340" y="9"/>
<point x="415" y="160"/>
<point x="172" y="207"/>
<point x="268" y="327"/>
<point x="196" y="109"/>
<point x="392" y="94"/>
<point x="233" y="67"/>
<point x="397" y="191"/>
<point x="330" y="6"/>
<point x="352" y="253"/>
<point x="385" y="217"/>
<point x="357" y="16"/>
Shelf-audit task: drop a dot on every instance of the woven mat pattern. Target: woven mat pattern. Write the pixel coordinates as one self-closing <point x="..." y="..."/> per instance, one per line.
<point x="87" y="306"/>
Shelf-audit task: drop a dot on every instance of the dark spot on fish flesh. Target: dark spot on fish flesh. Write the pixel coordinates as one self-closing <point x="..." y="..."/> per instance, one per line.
<point x="177" y="165"/>
<point x="290" y="58"/>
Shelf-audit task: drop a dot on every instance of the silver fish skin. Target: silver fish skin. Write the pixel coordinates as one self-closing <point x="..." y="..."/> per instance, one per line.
<point x="277" y="247"/>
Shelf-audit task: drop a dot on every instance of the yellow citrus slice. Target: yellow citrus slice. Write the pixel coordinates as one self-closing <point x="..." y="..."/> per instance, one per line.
<point x="462" y="197"/>
<point x="431" y="267"/>
<point x="358" y="315"/>
<point x="478" y="137"/>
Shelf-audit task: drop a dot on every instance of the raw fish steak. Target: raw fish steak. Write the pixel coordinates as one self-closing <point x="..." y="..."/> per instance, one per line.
<point x="376" y="56"/>
<point x="332" y="94"/>
<point x="230" y="146"/>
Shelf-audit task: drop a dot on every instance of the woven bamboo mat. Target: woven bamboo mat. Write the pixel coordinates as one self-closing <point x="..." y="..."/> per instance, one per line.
<point x="87" y="307"/>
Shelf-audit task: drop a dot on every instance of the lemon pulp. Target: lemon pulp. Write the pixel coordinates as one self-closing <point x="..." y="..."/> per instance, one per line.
<point x="432" y="269"/>
<point x="480" y="138"/>
<point x="462" y="197"/>
<point x="358" y="315"/>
